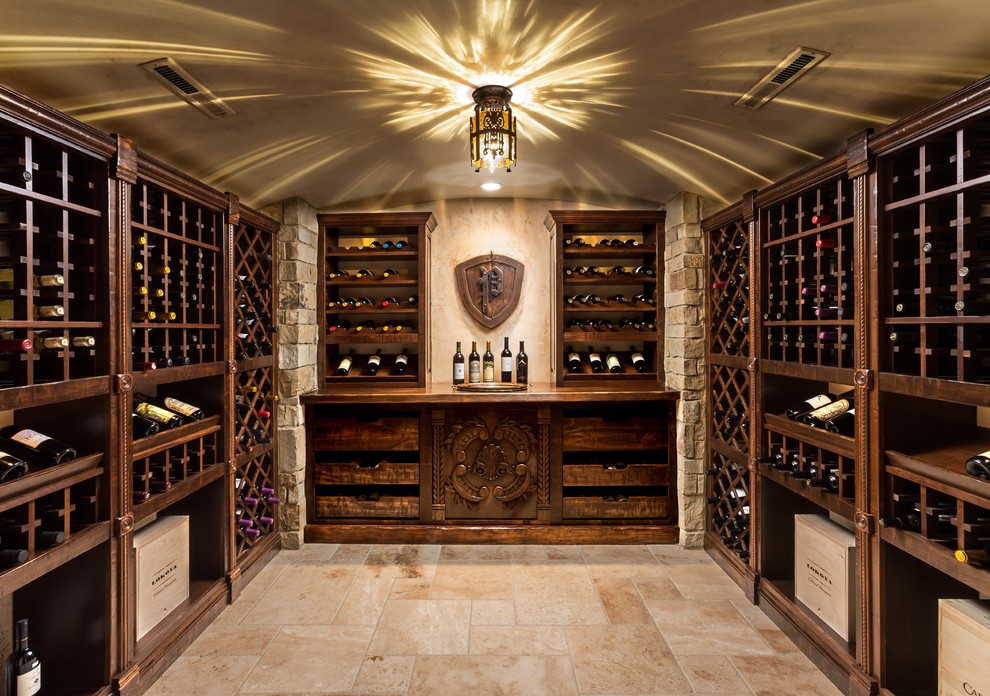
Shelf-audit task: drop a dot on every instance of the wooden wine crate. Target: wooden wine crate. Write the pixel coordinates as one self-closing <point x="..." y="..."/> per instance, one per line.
<point x="161" y="562"/>
<point x="963" y="647"/>
<point x="633" y="475"/>
<point x="825" y="571"/>
<point x="351" y="474"/>
<point x="592" y="508"/>
<point x="583" y="433"/>
<point x="383" y="433"/>
<point x="349" y="506"/>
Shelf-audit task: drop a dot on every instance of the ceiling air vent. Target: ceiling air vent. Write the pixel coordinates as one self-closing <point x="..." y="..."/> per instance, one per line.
<point x="785" y="74"/>
<point x="178" y="80"/>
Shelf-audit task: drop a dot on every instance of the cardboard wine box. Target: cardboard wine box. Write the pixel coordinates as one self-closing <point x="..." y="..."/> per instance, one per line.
<point x="825" y="571"/>
<point x="161" y="561"/>
<point x="963" y="647"/>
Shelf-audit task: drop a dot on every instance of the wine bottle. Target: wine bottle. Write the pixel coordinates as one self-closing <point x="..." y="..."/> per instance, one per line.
<point x="142" y="427"/>
<point x="389" y="273"/>
<point x="49" y="311"/>
<point x="15" y="345"/>
<point x="799" y="411"/>
<point x="345" y="364"/>
<point x="488" y="364"/>
<point x="373" y="363"/>
<point x="595" y="360"/>
<point x="638" y="361"/>
<point x="50" y="537"/>
<point x="23" y="667"/>
<point x="44" y="340"/>
<point x="843" y="424"/>
<point x="364" y="273"/>
<point x="818" y="417"/>
<point x="144" y="406"/>
<point x="612" y="361"/>
<point x="522" y="365"/>
<point x="35" y="447"/>
<point x="474" y="364"/>
<point x="979" y="465"/>
<point x="11" y="467"/>
<point x="909" y="520"/>
<point x="390" y="301"/>
<point x="338" y="274"/>
<point x="506" y="362"/>
<point x="458" y="365"/>
<point x="402" y="363"/>
<point x="53" y="280"/>
<point x="980" y="555"/>
<point x="574" y="241"/>
<point x="83" y="341"/>
<point x="181" y="407"/>
<point x="573" y="360"/>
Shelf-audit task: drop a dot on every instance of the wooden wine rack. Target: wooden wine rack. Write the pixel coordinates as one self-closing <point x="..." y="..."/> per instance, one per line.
<point x="728" y="491"/>
<point x="87" y="226"/>
<point x="904" y="330"/>
<point x="594" y="257"/>
<point x="255" y="411"/>
<point x="350" y="243"/>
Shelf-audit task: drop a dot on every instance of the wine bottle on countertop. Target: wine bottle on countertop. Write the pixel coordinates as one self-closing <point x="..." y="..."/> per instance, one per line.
<point x="799" y="411"/>
<point x="488" y="364"/>
<point x="23" y="668"/>
<point x="35" y="447"/>
<point x="458" y="365"/>
<point x="522" y="364"/>
<point x="506" y="362"/>
<point x="474" y="364"/>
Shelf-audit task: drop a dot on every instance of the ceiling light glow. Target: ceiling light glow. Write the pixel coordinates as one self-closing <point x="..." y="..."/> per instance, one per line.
<point x="491" y="186"/>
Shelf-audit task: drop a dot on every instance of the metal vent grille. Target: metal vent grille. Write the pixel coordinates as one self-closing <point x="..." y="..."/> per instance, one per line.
<point x="176" y="79"/>
<point x="785" y="74"/>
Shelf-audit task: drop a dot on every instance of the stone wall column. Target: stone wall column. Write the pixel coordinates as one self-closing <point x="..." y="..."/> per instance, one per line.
<point x="297" y="350"/>
<point x="684" y="353"/>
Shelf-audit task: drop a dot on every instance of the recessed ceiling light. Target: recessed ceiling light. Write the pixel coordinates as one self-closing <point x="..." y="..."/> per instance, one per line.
<point x="491" y="186"/>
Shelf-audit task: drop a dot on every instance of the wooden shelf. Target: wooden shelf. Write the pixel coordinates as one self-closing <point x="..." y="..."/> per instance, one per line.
<point x="840" y="444"/>
<point x="822" y="497"/>
<point x="179" y="490"/>
<point x="595" y="508"/>
<point x="173" y="437"/>
<point x="938" y="556"/>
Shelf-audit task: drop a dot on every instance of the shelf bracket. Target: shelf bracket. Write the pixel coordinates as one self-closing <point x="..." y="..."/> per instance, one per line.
<point x="863" y="378"/>
<point x="864" y="522"/>
<point x="123" y="383"/>
<point x="124" y="524"/>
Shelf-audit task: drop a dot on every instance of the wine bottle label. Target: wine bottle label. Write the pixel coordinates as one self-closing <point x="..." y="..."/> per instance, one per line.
<point x="489" y="373"/>
<point x="155" y="413"/>
<point x="506" y="364"/>
<point x="573" y="357"/>
<point x="404" y="360"/>
<point x="612" y="361"/>
<point x="29" y="438"/>
<point x="179" y="406"/>
<point x="638" y="357"/>
<point x="375" y="360"/>
<point x="30" y="682"/>
<point x="830" y="411"/>
<point x="982" y="454"/>
<point x="459" y="371"/>
<point x="345" y="364"/>
<point x="475" y="371"/>
<point x="816" y="402"/>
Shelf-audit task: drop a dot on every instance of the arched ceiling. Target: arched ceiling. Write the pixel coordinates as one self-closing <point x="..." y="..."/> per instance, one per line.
<point x="360" y="104"/>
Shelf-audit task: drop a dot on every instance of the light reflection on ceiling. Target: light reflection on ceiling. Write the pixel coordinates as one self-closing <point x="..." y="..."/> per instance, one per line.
<point x="364" y="105"/>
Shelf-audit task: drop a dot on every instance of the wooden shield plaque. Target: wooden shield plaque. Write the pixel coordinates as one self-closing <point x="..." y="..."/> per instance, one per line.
<point x="489" y="287"/>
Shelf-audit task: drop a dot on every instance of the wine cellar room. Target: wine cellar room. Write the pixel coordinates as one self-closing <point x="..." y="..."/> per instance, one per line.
<point x="519" y="347"/>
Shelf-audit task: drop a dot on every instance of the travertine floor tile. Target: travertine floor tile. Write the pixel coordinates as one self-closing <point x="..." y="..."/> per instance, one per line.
<point x="303" y="594"/>
<point x="518" y="640"/>
<point x="783" y="675"/>
<point x="203" y="676"/>
<point x="309" y="553"/>
<point x="555" y="594"/>
<point x="672" y="554"/>
<point x="704" y="581"/>
<point x="493" y="612"/>
<point x="712" y="674"/>
<point x="472" y="580"/>
<point x="493" y="676"/>
<point x="657" y="588"/>
<point x="411" y="588"/>
<point x="706" y="628"/>
<point x="622" y="601"/>
<point x="471" y="552"/>
<point x="385" y="674"/>
<point x="364" y="601"/>
<point x="310" y="658"/>
<point x="624" y="659"/>
<point x="222" y="639"/>
<point x="423" y="627"/>
<point x="409" y="561"/>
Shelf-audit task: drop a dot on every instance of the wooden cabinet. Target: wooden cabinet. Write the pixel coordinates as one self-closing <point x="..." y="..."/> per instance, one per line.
<point x="608" y="295"/>
<point x="375" y="296"/>
<point x="870" y="282"/>
<point x="431" y="464"/>
<point x="121" y="270"/>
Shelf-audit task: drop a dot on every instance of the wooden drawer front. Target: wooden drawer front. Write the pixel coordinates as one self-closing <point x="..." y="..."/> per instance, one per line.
<point x="632" y="475"/>
<point x="585" y="508"/>
<point x="348" y="506"/>
<point x="634" y="433"/>
<point x="383" y="433"/>
<point x="384" y="473"/>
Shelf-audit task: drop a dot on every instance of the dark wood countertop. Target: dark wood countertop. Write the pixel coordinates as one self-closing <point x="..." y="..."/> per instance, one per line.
<point x="537" y="393"/>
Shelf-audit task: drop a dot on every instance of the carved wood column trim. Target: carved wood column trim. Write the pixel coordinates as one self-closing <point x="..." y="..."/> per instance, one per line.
<point x="543" y="464"/>
<point x="439" y="506"/>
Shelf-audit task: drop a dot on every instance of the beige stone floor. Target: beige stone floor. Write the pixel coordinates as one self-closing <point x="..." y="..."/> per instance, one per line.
<point x="492" y="620"/>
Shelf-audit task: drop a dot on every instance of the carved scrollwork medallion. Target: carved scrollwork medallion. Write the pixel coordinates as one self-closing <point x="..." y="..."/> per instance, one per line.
<point x="491" y="463"/>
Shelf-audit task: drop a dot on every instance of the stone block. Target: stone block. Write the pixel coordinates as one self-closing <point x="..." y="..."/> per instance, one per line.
<point x="691" y="512"/>
<point x="296" y="211"/>
<point x="297" y="355"/>
<point x="291" y="450"/>
<point x="685" y="245"/>
<point x="297" y="316"/>
<point x="290" y="415"/>
<point x="290" y="335"/>
<point x="691" y="540"/>
<point x="300" y="252"/>
<point x="297" y="381"/>
<point x="683" y="207"/>
<point x="298" y="271"/>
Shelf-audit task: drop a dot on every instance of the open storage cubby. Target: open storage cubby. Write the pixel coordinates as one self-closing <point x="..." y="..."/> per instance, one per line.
<point x="375" y="296"/>
<point x="615" y="466"/>
<point x="606" y="271"/>
<point x="729" y="492"/>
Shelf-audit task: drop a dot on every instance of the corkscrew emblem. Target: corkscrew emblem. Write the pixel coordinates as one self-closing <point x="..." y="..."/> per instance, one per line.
<point x="489" y="287"/>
